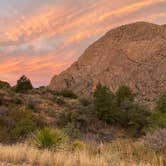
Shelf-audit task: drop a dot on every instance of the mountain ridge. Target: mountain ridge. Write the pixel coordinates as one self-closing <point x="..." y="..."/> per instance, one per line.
<point x="132" y="54"/>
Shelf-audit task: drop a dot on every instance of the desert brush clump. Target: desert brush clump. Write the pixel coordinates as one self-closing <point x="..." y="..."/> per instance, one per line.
<point x="161" y="103"/>
<point x="59" y="101"/>
<point x="65" y="93"/>
<point x="156" y="140"/>
<point x="50" y="138"/>
<point x="4" y="84"/>
<point x="17" y="125"/>
<point x="72" y="132"/>
<point x="85" y="101"/>
<point x="157" y="118"/>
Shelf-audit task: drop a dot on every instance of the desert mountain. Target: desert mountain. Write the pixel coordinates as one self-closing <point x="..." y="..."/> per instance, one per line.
<point x="132" y="55"/>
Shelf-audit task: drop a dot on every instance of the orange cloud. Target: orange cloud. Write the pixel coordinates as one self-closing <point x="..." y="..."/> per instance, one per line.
<point x="57" y="20"/>
<point x="130" y="8"/>
<point x="47" y="41"/>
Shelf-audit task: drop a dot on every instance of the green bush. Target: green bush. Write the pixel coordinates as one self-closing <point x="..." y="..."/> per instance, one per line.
<point x="85" y="102"/>
<point x="1" y="100"/>
<point x="31" y="103"/>
<point x="50" y="138"/>
<point x="2" y="121"/>
<point x="137" y="120"/>
<point x="158" y="116"/>
<point x="24" y="123"/>
<point x="73" y="132"/>
<point x="4" y="84"/>
<point x="105" y="104"/>
<point x="23" y="85"/>
<point x="161" y="103"/>
<point x="59" y="101"/>
<point x="19" y="114"/>
<point x="4" y="136"/>
<point x="23" y="128"/>
<point x="157" y="120"/>
<point x="66" y="93"/>
<point x="65" y="117"/>
<point x="18" y="125"/>
<point x="17" y="100"/>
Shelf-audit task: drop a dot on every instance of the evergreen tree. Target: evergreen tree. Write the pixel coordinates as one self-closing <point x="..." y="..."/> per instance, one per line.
<point x="124" y="94"/>
<point x="23" y="84"/>
<point x="105" y="104"/>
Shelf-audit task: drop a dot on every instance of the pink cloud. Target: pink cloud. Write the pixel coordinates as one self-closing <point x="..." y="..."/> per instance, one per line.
<point x="49" y="39"/>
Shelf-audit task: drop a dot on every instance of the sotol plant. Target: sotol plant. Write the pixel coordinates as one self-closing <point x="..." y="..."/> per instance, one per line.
<point x="50" y="138"/>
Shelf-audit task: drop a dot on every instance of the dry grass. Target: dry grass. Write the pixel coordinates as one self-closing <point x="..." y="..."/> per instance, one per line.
<point x="119" y="153"/>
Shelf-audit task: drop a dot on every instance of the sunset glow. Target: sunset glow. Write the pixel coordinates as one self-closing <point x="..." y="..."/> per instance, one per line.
<point x="42" y="38"/>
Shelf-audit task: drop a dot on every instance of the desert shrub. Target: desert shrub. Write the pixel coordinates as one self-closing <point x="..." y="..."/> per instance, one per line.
<point x="4" y="84"/>
<point x="59" y="101"/>
<point x="66" y="93"/>
<point x="4" y="136"/>
<point x="17" y="124"/>
<point x="2" y="121"/>
<point x="78" y="145"/>
<point x="157" y="120"/>
<point x="19" y="114"/>
<point x="4" y="110"/>
<point x="23" y="128"/>
<point x="161" y="103"/>
<point x="73" y="132"/>
<point x="24" y="123"/>
<point x="1" y="100"/>
<point x="50" y="138"/>
<point x="17" y="100"/>
<point x="78" y="119"/>
<point x="84" y="101"/>
<point x="40" y="121"/>
<point x="81" y="121"/>
<point x="158" y="116"/>
<point x="23" y="85"/>
<point x="123" y="94"/>
<point x="6" y="123"/>
<point x="105" y="104"/>
<point x="5" y="129"/>
<point x="156" y="140"/>
<point x="137" y="120"/>
<point x="65" y="117"/>
<point x="31" y="103"/>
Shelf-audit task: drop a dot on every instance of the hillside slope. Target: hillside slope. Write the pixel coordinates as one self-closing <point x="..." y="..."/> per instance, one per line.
<point x="133" y="54"/>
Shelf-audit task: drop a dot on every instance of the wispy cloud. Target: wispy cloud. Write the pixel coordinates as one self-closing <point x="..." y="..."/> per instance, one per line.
<point x="50" y="37"/>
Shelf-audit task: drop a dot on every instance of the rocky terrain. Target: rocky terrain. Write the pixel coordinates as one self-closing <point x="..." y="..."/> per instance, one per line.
<point x="132" y="55"/>
<point x="74" y="122"/>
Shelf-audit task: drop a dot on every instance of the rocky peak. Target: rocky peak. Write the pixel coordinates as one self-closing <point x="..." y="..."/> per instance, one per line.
<point x="133" y="55"/>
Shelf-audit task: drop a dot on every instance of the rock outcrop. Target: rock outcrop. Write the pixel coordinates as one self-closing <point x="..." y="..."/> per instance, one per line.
<point x="133" y="55"/>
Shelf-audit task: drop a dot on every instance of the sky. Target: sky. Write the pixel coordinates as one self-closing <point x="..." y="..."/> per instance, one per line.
<point x="41" y="38"/>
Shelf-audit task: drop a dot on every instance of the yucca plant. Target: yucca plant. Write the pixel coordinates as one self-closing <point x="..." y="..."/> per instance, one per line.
<point x="50" y="138"/>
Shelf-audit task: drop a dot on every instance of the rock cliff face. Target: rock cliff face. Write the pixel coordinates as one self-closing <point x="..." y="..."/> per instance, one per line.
<point x="133" y="55"/>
